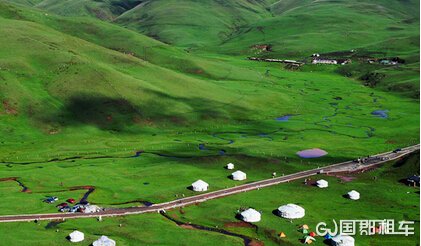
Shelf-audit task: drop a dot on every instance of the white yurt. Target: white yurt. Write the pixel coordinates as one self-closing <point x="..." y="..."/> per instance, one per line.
<point x="239" y="175"/>
<point x="342" y="240"/>
<point x="230" y="166"/>
<point x="76" y="236"/>
<point x="104" y="241"/>
<point x="322" y="183"/>
<point x="354" y="195"/>
<point x="250" y="215"/>
<point x="291" y="211"/>
<point x="200" y="185"/>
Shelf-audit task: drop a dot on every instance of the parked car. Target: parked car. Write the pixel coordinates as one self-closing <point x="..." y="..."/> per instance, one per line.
<point x="62" y="205"/>
<point x="397" y="150"/>
<point x="74" y="209"/>
<point x="51" y="199"/>
<point x="65" y="209"/>
<point x="71" y="200"/>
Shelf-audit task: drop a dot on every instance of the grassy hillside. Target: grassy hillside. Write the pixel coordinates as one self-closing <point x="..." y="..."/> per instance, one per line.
<point x="294" y="29"/>
<point x="194" y="23"/>
<point x="86" y="102"/>
<point x="105" y="10"/>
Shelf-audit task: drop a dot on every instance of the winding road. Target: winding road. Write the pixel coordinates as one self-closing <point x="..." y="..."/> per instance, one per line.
<point x="349" y="166"/>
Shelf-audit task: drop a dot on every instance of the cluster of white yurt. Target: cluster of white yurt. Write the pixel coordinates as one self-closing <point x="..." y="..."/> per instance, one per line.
<point x="322" y="183"/>
<point x="353" y="195"/>
<point x="239" y="175"/>
<point x="250" y="215"/>
<point x="104" y="241"/>
<point x="291" y="211"/>
<point x="76" y="237"/>
<point x="342" y="240"/>
<point x="200" y="185"/>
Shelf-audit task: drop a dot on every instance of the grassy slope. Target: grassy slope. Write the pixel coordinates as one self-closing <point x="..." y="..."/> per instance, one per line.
<point x="172" y="21"/>
<point x="61" y="81"/>
<point x="295" y="29"/>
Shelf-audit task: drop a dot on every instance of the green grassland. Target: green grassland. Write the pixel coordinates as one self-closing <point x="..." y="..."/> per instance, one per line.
<point x="381" y="197"/>
<point x="148" y="229"/>
<point x="79" y="96"/>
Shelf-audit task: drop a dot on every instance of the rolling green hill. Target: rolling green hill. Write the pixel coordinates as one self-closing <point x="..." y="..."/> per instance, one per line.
<point x="294" y="29"/>
<point x="141" y="98"/>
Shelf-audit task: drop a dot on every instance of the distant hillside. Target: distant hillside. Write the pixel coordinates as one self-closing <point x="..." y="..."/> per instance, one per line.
<point x="292" y="26"/>
<point x="58" y="71"/>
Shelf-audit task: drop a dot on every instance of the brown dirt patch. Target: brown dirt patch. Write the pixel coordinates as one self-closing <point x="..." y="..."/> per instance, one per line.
<point x="390" y="141"/>
<point x="85" y="187"/>
<point x="238" y="224"/>
<point x="345" y="179"/>
<point x="9" y="108"/>
<point x="256" y="243"/>
<point x="310" y="182"/>
<point x="8" y="179"/>
<point x="185" y="226"/>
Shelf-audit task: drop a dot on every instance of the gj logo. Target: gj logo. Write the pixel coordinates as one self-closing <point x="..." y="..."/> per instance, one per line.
<point x="323" y="231"/>
<point x="367" y="227"/>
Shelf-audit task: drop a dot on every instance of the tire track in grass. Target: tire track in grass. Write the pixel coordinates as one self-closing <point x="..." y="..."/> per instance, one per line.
<point x="247" y="240"/>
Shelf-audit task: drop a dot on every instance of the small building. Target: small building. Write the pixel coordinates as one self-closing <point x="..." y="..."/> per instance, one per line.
<point x="291" y="211"/>
<point x="353" y="195"/>
<point x="239" y="175"/>
<point x="104" y="241"/>
<point x="200" y="185"/>
<point x="342" y="240"/>
<point x="388" y="62"/>
<point x="324" y="61"/>
<point x="250" y="215"/>
<point x="322" y="183"/>
<point x="414" y="180"/>
<point x="230" y="166"/>
<point x="76" y="236"/>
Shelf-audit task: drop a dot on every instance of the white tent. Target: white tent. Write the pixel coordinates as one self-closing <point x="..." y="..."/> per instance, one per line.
<point x="291" y="211"/>
<point x="239" y="175"/>
<point x="76" y="236"/>
<point x="200" y="185"/>
<point x="354" y="195"/>
<point x="342" y="240"/>
<point x="230" y="166"/>
<point x="250" y="215"/>
<point x="322" y="183"/>
<point x="104" y="241"/>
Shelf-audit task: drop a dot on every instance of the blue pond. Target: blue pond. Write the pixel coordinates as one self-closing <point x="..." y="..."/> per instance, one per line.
<point x="380" y="113"/>
<point x="311" y="153"/>
<point x="284" y="117"/>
